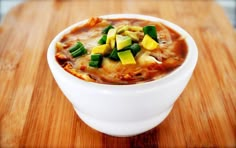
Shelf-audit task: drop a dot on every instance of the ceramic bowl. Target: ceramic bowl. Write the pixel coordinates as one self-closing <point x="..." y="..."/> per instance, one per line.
<point x="124" y="110"/>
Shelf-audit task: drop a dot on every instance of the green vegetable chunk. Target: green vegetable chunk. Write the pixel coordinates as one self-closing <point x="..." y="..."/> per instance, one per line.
<point x="114" y="55"/>
<point x="76" y="46"/>
<point x="96" y="57"/>
<point x="126" y="57"/>
<point x="96" y="60"/>
<point x="135" y="48"/>
<point x="105" y="30"/>
<point x="95" y="64"/>
<point x="151" y="31"/>
<point x="79" y="52"/>
<point x="103" y="39"/>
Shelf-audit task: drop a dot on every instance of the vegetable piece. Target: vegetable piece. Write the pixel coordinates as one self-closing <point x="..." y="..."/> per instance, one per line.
<point x="102" y="39"/>
<point x="122" y="28"/>
<point x="96" y="57"/>
<point x="146" y="59"/>
<point x="105" y="30"/>
<point x="79" y="52"/>
<point x="95" y="64"/>
<point x="111" y="37"/>
<point x="135" y="28"/>
<point x="123" y="41"/>
<point x="126" y="57"/>
<point x="59" y="46"/>
<point x="135" y="48"/>
<point x="151" y="31"/>
<point x="76" y="46"/>
<point x="133" y="35"/>
<point x="96" y="60"/>
<point x="148" y="43"/>
<point x="101" y="49"/>
<point x="114" y="55"/>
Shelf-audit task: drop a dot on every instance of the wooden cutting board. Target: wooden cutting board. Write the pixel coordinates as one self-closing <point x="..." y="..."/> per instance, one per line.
<point x="35" y="113"/>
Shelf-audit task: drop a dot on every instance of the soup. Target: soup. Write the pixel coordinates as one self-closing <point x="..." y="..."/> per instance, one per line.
<point x="121" y="51"/>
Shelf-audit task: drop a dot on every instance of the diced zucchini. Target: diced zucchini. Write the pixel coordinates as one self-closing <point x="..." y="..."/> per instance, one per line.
<point x="105" y="30"/>
<point x="148" y="43"/>
<point x="101" y="49"/>
<point x="102" y="39"/>
<point x="151" y="31"/>
<point x="122" y="41"/>
<point x="111" y="38"/>
<point x="114" y="55"/>
<point x="126" y="57"/>
<point x="133" y="35"/>
<point x="76" y="46"/>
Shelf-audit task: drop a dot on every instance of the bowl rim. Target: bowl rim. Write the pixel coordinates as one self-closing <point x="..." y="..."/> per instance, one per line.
<point x="186" y="68"/>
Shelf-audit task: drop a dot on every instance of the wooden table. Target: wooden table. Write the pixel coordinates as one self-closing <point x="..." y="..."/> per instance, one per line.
<point x="35" y="113"/>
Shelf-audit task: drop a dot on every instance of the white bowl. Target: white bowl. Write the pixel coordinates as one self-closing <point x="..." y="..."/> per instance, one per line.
<point x="124" y="110"/>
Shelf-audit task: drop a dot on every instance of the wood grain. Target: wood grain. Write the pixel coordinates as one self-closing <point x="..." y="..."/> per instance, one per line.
<point x="35" y="113"/>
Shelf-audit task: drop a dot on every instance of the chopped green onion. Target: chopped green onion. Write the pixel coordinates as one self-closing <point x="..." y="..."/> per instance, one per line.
<point x="79" y="52"/>
<point x="105" y="30"/>
<point x="76" y="46"/>
<point x="102" y="39"/>
<point x="96" y="57"/>
<point x="135" y="48"/>
<point x="95" y="64"/>
<point x="96" y="60"/>
<point x="151" y="31"/>
<point x="113" y="55"/>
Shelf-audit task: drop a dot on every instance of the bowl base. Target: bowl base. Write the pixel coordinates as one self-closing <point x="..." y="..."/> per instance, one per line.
<point x="123" y="129"/>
